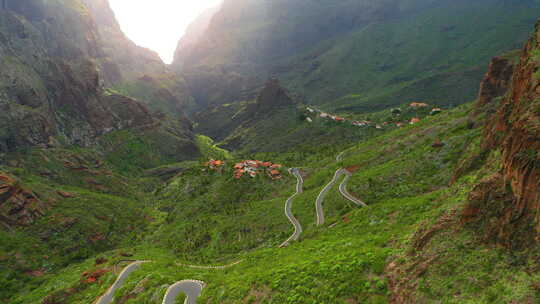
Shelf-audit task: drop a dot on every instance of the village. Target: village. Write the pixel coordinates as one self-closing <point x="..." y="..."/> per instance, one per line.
<point x="396" y="114"/>
<point x="251" y="168"/>
<point x="254" y="168"/>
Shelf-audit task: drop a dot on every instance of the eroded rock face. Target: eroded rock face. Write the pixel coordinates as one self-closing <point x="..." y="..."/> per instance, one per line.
<point x="515" y="130"/>
<point x="18" y="206"/>
<point x="133" y="69"/>
<point x="57" y="58"/>
<point x="495" y="82"/>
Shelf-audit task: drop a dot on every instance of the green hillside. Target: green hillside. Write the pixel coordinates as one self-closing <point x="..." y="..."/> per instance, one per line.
<point x="206" y="218"/>
<point x="309" y="176"/>
<point x="354" y="55"/>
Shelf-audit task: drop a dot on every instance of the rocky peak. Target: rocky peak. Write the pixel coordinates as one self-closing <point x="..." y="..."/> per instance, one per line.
<point x="495" y="82"/>
<point x="273" y="95"/>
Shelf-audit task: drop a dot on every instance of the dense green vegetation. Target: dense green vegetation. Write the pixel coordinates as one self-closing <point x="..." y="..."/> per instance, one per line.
<point x="106" y="211"/>
<point x="360" y="56"/>
<point x="91" y="179"/>
<point x="206" y="217"/>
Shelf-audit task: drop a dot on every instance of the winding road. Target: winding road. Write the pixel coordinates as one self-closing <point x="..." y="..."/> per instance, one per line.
<point x="346" y="194"/>
<point x="342" y="189"/>
<point x="192" y="289"/>
<point x="339" y="157"/>
<point x="288" y="208"/>
<point x="109" y="295"/>
<point x="318" y="203"/>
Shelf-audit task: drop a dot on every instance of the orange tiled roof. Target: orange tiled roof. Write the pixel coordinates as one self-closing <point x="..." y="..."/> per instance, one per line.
<point x="418" y="105"/>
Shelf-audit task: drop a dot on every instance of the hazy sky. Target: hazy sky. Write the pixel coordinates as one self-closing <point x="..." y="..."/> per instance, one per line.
<point x="158" y="24"/>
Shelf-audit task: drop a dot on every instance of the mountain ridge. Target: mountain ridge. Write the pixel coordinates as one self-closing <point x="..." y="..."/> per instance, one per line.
<point x="266" y="39"/>
<point x="101" y="168"/>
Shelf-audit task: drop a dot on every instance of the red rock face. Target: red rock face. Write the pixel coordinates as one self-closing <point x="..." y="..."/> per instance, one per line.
<point x="515" y="130"/>
<point x="519" y="120"/>
<point x="18" y="206"/>
<point x="496" y="81"/>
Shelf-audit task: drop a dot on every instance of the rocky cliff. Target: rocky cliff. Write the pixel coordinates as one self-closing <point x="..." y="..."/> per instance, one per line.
<point x="134" y="70"/>
<point x="195" y="31"/>
<point x="271" y="97"/>
<point x="54" y="71"/>
<point x="355" y="55"/>
<point x="256" y="125"/>
<point x="506" y="205"/>
<point x="496" y="82"/>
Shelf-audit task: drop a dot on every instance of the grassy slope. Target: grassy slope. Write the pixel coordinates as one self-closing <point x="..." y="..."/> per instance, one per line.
<point x="434" y="55"/>
<point x="283" y="133"/>
<point x="432" y="51"/>
<point x="211" y="219"/>
<point x="401" y="176"/>
<point x="107" y="203"/>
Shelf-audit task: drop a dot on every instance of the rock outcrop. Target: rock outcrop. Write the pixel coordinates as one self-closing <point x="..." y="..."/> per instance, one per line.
<point x="18" y="206"/>
<point x="496" y="81"/>
<point x="507" y="205"/>
<point x="56" y="63"/>
<point x="134" y="70"/>
<point x="271" y="97"/>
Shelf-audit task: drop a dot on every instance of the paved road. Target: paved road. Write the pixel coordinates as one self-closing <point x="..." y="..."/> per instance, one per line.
<point x="109" y="295"/>
<point x="339" y="157"/>
<point x="191" y="288"/>
<point x="342" y="190"/>
<point x="318" y="203"/>
<point x="288" y="208"/>
<point x="346" y="194"/>
<point x="210" y="267"/>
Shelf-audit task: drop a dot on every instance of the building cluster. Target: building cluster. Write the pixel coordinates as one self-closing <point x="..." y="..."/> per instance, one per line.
<point x="216" y="165"/>
<point x="422" y="105"/>
<point x="336" y="118"/>
<point x="366" y="123"/>
<point x="416" y="105"/>
<point x="331" y="117"/>
<point x="250" y="168"/>
<point x="435" y="111"/>
<point x="363" y="123"/>
<point x="253" y="168"/>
